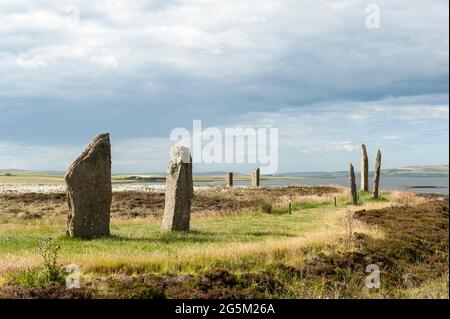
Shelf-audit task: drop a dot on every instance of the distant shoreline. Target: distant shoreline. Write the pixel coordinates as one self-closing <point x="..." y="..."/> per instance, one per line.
<point x="410" y="171"/>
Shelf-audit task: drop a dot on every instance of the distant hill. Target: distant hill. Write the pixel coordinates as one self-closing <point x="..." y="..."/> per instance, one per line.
<point x="423" y="170"/>
<point x="26" y="172"/>
<point x="412" y="171"/>
<point x="316" y="174"/>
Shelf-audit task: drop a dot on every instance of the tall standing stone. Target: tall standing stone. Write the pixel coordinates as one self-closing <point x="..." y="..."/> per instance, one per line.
<point x="353" y="185"/>
<point x="255" y="178"/>
<point x="364" y="169"/>
<point x="179" y="191"/>
<point x="376" y="178"/>
<point x="229" y="179"/>
<point x="89" y="191"/>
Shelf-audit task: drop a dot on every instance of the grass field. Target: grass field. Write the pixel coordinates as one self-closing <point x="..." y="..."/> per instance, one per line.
<point x="234" y="250"/>
<point x="31" y="178"/>
<point x="42" y="178"/>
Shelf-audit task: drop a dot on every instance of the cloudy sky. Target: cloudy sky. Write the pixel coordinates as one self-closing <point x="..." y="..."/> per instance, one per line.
<point x="138" y="69"/>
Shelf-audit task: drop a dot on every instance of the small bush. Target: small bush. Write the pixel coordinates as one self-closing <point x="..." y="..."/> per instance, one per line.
<point x="349" y="225"/>
<point x="49" y="272"/>
<point x="49" y="253"/>
<point x="265" y="206"/>
<point x="28" y="278"/>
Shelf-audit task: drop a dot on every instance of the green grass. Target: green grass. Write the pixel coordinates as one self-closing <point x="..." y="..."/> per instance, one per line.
<point x="267" y="207"/>
<point x="31" y="178"/>
<point x="43" y="178"/>
<point x="250" y="254"/>
<point x="144" y="237"/>
<point x="366" y="197"/>
<point x="311" y="205"/>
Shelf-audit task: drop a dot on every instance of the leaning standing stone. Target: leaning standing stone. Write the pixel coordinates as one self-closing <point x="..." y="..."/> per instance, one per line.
<point x="255" y="178"/>
<point x="89" y="191"/>
<point x="376" y="178"/>
<point x="229" y="179"/>
<point x="353" y="185"/>
<point x="179" y="190"/>
<point x="364" y="169"/>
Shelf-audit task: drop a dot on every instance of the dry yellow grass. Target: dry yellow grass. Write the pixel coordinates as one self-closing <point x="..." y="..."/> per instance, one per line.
<point x="31" y="178"/>
<point x="436" y="288"/>
<point x="407" y="198"/>
<point x="327" y="235"/>
<point x="247" y="241"/>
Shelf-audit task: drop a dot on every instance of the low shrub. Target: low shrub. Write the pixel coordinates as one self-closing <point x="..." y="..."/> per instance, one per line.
<point x="265" y="206"/>
<point x="49" y="272"/>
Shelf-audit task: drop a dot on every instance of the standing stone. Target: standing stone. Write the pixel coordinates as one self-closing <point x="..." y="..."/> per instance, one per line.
<point x="179" y="190"/>
<point x="255" y="178"/>
<point x="364" y="169"/>
<point x="229" y="179"/>
<point x="376" y="178"/>
<point x="89" y="191"/>
<point x="353" y="185"/>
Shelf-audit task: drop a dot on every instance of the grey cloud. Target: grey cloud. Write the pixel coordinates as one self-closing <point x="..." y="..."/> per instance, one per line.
<point x="141" y="68"/>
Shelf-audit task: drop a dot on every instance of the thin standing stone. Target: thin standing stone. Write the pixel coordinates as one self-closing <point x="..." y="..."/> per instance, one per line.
<point x="255" y="178"/>
<point x="364" y="169"/>
<point x="179" y="191"/>
<point x="377" y="173"/>
<point x="353" y="185"/>
<point x="229" y="179"/>
<point x="89" y="190"/>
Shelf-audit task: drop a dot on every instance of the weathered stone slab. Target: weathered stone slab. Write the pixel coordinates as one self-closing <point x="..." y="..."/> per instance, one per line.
<point x="352" y="182"/>
<point x="255" y="178"/>
<point x="364" y="169"/>
<point x="377" y="175"/>
<point x="89" y="190"/>
<point x="229" y="179"/>
<point x="179" y="191"/>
